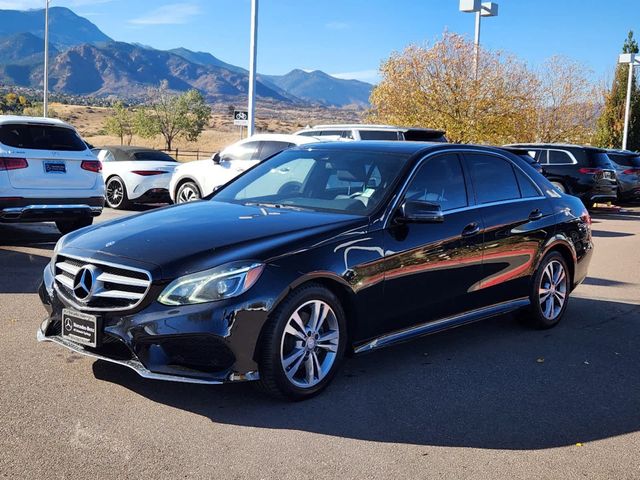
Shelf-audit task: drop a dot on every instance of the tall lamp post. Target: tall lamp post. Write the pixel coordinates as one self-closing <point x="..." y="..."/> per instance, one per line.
<point x="252" y="68"/>
<point x="633" y="60"/>
<point x="481" y="9"/>
<point x="45" y="102"/>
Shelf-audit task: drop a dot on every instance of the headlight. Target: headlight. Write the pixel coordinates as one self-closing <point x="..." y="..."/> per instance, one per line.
<point x="218" y="283"/>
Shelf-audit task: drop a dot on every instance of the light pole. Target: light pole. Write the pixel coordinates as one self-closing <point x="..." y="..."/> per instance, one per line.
<point x="45" y="102"/>
<point x="252" y="67"/>
<point x="481" y="9"/>
<point x="633" y="61"/>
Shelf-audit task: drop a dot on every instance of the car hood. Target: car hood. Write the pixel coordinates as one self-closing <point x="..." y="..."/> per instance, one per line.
<point x="182" y="239"/>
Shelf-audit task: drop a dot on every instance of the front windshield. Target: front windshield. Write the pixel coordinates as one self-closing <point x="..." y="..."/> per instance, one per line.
<point x="353" y="182"/>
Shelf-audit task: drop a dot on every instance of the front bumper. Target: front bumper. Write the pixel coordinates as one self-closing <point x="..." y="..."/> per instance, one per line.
<point x="207" y="343"/>
<point x="49" y="209"/>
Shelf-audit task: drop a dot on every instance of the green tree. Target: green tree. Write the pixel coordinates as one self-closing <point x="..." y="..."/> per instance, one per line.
<point x="611" y="122"/>
<point x="173" y="116"/>
<point x="120" y="123"/>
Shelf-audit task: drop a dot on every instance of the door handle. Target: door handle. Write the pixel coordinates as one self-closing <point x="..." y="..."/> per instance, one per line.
<point x="535" y="215"/>
<point x="471" y="229"/>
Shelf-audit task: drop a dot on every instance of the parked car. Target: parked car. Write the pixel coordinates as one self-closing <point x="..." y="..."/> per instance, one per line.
<point x="527" y="156"/>
<point x="379" y="243"/>
<point x="373" y="132"/>
<point x="585" y="172"/>
<point x="627" y="172"/>
<point x="195" y="180"/>
<point x="135" y="175"/>
<point x="47" y="174"/>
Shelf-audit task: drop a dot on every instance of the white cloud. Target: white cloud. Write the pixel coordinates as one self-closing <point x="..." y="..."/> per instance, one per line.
<point x="371" y="76"/>
<point x="172" y="14"/>
<point x="336" y="25"/>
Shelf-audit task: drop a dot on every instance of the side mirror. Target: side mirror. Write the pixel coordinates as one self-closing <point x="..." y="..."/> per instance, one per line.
<point x="413" y="211"/>
<point x="216" y="158"/>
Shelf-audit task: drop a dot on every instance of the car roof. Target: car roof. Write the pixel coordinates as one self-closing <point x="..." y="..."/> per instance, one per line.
<point x="370" y="126"/>
<point x="555" y="145"/>
<point x="407" y="148"/>
<point x="623" y="152"/>
<point x="128" y="148"/>
<point x="4" y="119"/>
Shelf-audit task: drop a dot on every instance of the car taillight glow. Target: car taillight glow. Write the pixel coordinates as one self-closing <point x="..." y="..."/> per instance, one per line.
<point x="631" y="171"/>
<point x="91" y="165"/>
<point x="10" y="163"/>
<point x="148" y="173"/>
<point x="590" y="171"/>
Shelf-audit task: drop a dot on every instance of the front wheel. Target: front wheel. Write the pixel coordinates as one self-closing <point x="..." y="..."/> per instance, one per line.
<point x="303" y="344"/>
<point x="66" y="226"/>
<point x="188" y="192"/>
<point x="549" y="291"/>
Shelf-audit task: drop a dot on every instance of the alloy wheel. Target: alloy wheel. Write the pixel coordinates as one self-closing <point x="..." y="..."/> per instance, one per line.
<point x="188" y="193"/>
<point x="553" y="290"/>
<point x="115" y="193"/>
<point x="309" y="344"/>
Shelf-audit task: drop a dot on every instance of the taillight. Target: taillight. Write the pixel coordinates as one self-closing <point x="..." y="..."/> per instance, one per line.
<point x="586" y="218"/>
<point x="91" y="165"/>
<point x="631" y="171"/>
<point x="148" y="173"/>
<point x="590" y="171"/>
<point x="10" y="163"/>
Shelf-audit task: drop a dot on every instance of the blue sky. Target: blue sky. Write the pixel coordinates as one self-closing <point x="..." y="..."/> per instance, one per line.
<point x="351" y="37"/>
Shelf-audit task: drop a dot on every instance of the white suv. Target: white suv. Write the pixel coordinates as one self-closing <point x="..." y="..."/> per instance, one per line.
<point x="47" y="173"/>
<point x="373" y="132"/>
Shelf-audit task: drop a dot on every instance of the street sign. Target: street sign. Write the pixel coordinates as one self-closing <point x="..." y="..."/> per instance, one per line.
<point x="241" y="117"/>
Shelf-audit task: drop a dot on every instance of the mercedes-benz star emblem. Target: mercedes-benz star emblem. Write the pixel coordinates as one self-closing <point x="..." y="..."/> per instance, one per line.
<point x="68" y="325"/>
<point x="84" y="283"/>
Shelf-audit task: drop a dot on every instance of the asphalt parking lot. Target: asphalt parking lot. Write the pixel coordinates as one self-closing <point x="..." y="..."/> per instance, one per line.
<point x="490" y="400"/>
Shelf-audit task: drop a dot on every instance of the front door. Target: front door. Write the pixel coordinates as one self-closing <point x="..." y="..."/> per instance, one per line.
<point x="432" y="270"/>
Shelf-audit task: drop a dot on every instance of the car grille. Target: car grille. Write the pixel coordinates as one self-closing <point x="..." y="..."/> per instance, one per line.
<point x="115" y="287"/>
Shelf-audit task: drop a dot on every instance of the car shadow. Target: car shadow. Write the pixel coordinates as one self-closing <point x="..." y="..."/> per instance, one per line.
<point x="608" y="234"/>
<point x="495" y="384"/>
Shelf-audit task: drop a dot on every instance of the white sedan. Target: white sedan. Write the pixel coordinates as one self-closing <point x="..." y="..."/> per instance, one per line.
<point x="135" y="175"/>
<point x="194" y="180"/>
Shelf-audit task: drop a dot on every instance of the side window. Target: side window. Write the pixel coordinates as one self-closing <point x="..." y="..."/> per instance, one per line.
<point x="493" y="178"/>
<point x="527" y="188"/>
<point x="559" y="157"/>
<point x="105" y="156"/>
<point x="440" y="180"/>
<point x="243" y="151"/>
<point x="270" y="148"/>
<point x="539" y="156"/>
<point x="378" y="135"/>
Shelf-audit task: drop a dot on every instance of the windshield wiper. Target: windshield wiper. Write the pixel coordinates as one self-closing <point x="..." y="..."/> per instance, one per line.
<point x="276" y="205"/>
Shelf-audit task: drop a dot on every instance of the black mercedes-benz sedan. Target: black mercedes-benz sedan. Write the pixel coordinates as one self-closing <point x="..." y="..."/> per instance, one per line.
<point x="317" y="252"/>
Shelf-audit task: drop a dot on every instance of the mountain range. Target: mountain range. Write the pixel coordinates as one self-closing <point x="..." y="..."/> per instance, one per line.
<point x="85" y="61"/>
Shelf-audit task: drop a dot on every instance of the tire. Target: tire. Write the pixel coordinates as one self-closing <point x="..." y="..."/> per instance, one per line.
<point x="116" y="194"/>
<point x="549" y="294"/>
<point x="188" y="192"/>
<point x="66" y="226"/>
<point x="559" y="186"/>
<point x="296" y="365"/>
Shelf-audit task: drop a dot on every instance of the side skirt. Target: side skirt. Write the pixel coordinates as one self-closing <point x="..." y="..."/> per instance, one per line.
<point x="442" y="324"/>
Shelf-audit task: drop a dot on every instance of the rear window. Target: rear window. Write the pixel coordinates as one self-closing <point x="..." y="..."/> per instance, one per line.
<point x="153" y="155"/>
<point x="625" y="160"/>
<point x="378" y="135"/>
<point x="41" y="137"/>
<point x="599" y="159"/>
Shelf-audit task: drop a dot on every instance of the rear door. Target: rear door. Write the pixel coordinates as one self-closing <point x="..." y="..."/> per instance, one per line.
<point x="517" y="218"/>
<point x="54" y="155"/>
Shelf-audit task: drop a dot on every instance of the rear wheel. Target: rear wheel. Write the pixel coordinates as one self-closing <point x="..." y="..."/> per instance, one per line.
<point x="549" y="292"/>
<point x="66" y="226"/>
<point x="188" y="192"/>
<point x="116" y="194"/>
<point x="303" y="344"/>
